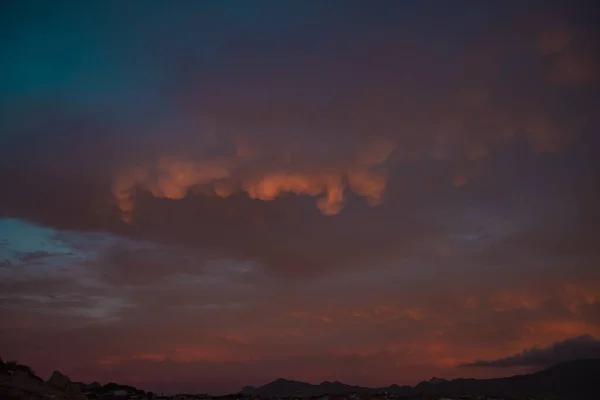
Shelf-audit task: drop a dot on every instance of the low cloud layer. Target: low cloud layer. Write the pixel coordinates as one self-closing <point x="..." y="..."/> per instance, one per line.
<point x="235" y="323"/>
<point x="571" y="349"/>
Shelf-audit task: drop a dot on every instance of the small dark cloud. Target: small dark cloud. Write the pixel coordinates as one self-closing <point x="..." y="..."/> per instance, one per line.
<point x="584" y="346"/>
<point x="34" y="256"/>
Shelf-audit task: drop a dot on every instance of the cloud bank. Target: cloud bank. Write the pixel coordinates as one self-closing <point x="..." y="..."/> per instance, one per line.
<point x="575" y="348"/>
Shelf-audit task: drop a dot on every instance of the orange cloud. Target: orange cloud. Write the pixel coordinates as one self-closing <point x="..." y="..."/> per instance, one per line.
<point x="576" y="296"/>
<point x="369" y="184"/>
<point x="467" y="127"/>
<point x="304" y="315"/>
<point x="173" y="178"/>
<point x="387" y="312"/>
<point x="328" y="186"/>
<point x="509" y="300"/>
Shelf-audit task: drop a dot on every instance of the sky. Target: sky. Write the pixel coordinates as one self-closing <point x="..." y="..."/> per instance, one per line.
<point x="202" y="195"/>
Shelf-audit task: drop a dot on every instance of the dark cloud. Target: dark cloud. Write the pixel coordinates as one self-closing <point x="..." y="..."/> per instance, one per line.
<point x="571" y="349"/>
<point x="35" y="256"/>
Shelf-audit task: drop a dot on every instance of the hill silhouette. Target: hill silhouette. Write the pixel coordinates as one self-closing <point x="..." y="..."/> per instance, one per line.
<point x="573" y="380"/>
<point x="284" y="388"/>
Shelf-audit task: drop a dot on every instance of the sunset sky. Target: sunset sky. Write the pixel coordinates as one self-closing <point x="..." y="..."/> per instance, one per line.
<point x="203" y="195"/>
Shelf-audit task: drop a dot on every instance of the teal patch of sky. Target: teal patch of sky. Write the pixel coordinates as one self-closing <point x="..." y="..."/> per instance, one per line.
<point x="20" y="239"/>
<point x="76" y="56"/>
<point x="116" y="59"/>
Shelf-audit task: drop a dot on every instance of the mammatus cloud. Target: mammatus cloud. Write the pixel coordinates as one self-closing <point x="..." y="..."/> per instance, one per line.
<point x="426" y="121"/>
<point x="222" y="176"/>
<point x="331" y="172"/>
<point x="584" y="346"/>
<point x="331" y="90"/>
<point x="462" y="125"/>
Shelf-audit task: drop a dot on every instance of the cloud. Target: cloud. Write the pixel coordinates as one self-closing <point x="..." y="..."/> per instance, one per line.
<point x="575" y="348"/>
<point x="224" y="175"/>
<point x="237" y="126"/>
<point x="358" y="193"/>
<point x="224" y="319"/>
<point x="302" y="128"/>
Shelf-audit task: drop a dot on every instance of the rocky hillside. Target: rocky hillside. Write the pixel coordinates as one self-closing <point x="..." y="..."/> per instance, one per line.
<point x="19" y="382"/>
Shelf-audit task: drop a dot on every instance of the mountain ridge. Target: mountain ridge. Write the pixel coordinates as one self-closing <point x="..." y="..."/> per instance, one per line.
<point x="573" y="380"/>
<point x="567" y="379"/>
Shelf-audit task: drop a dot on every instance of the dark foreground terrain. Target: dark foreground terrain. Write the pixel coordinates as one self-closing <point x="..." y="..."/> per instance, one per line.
<point x="574" y="380"/>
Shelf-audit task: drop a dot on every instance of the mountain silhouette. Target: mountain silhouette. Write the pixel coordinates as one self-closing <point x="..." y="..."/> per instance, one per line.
<point x="303" y="389"/>
<point x="573" y="380"/>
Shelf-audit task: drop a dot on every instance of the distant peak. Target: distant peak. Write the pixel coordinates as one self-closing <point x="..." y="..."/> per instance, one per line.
<point x="284" y="380"/>
<point x="338" y="383"/>
<point x="437" y="380"/>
